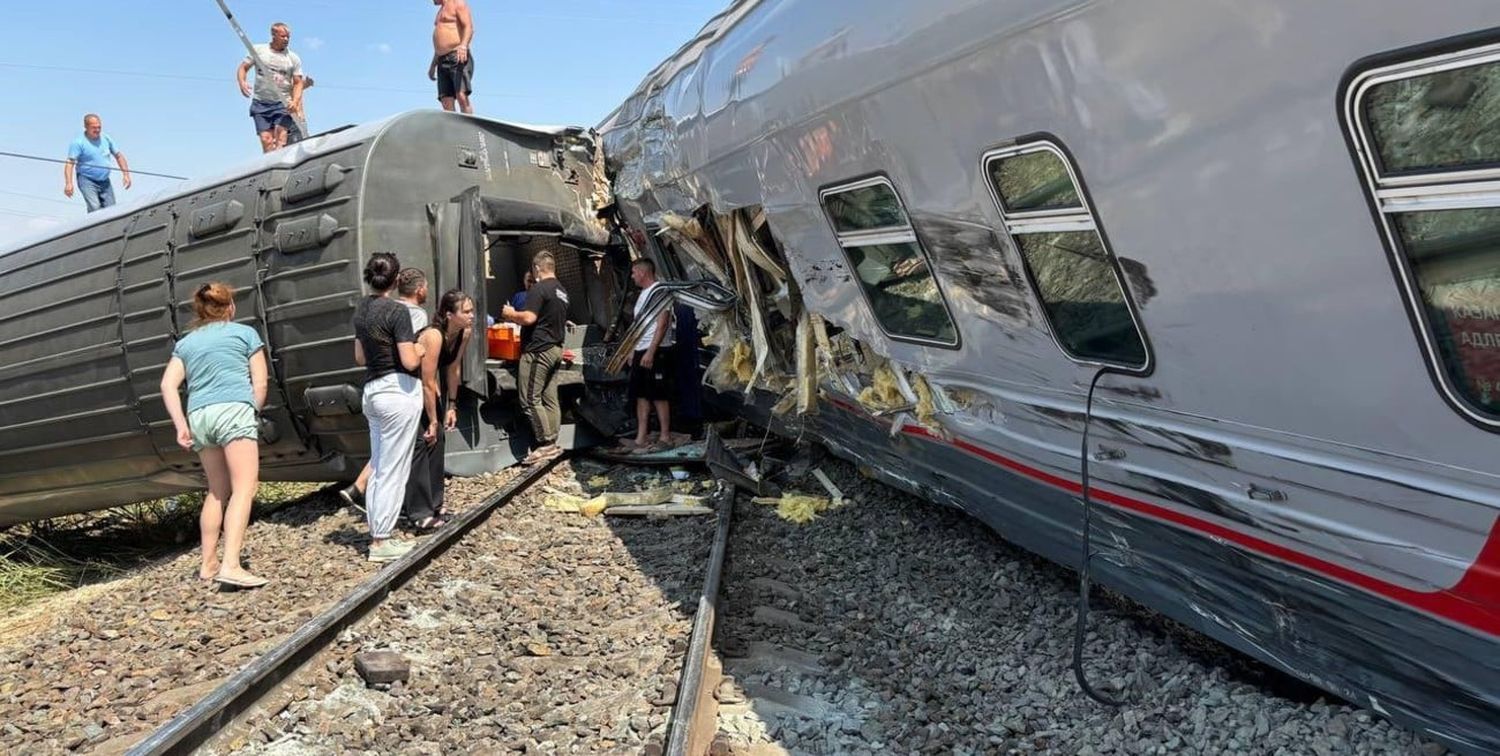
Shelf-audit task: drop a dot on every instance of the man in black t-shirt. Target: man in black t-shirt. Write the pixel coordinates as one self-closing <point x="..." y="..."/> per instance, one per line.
<point x="542" y="322"/>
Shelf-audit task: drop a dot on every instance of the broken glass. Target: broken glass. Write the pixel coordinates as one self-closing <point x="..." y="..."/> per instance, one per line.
<point x="1033" y="181"/>
<point x="865" y="209"/>
<point x="1443" y="120"/>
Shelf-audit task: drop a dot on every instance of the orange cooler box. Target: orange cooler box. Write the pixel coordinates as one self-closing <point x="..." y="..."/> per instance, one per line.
<point x="504" y="342"/>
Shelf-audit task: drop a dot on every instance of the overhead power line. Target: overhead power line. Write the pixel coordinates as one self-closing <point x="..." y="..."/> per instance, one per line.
<point x="133" y="171"/>
<point x="226" y="80"/>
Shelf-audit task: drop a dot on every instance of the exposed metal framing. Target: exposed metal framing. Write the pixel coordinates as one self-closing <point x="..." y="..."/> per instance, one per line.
<point x="1416" y="191"/>
<point x="1060" y="220"/>
<point x="902" y="234"/>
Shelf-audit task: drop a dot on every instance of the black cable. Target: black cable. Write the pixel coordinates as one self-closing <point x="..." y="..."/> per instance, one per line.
<point x="55" y="160"/>
<point x="1080" y="627"/>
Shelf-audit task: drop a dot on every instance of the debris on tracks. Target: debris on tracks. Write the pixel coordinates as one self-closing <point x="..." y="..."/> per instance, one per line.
<point x="382" y="667"/>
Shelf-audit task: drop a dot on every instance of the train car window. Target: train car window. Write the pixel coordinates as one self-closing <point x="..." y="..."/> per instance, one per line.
<point x="1034" y="181"/>
<point x="1436" y="121"/>
<point x="1430" y="154"/>
<point x="865" y="208"/>
<point x="1074" y="273"/>
<point x="889" y="262"/>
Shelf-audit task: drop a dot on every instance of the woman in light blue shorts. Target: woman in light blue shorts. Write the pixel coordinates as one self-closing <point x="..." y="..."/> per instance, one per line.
<point x="224" y="364"/>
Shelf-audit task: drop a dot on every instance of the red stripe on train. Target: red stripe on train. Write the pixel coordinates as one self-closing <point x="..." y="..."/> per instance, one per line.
<point x="1474" y="601"/>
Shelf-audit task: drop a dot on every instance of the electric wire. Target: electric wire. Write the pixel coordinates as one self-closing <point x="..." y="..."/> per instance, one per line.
<point x="133" y="171"/>
<point x="1080" y="627"/>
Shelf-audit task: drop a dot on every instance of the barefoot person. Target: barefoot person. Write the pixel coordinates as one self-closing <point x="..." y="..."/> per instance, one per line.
<point x="224" y="363"/>
<point x="651" y="365"/>
<point x="385" y="345"/>
<point x="452" y="64"/>
<point x="442" y="343"/>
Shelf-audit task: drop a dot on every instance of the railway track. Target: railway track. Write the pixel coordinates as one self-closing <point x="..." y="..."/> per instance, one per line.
<point x="521" y="624"/>
<point x="887" y="624"/>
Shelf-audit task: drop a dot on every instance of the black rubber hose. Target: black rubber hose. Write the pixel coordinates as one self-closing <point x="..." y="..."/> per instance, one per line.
<point x="1080" y="627"/>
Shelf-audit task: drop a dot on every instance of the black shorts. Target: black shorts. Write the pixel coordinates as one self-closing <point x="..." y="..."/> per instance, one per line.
<point x="653" y="383"/>
<point x="454" y="77"/>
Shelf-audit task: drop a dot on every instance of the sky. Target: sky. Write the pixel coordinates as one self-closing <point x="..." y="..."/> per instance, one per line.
<point x="160" y="73"/>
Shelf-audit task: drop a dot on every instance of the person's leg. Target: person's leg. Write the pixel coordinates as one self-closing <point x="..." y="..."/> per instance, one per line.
<point x="243" y="458"/>
<point x="435" y="469"/>
<point x="418" y="505"/>
<point x="90" y="192"/>
<point x="531" y="380"/>
<point x="279" y="132"/>
<point x="447" y="103"/>
<point x="106" y="194"/>
<point x="642" y="420"/>
<point x="664" y="418"/>
<point x="549" y="410"/>
<point x="211" y="519"/>
<point x="397" y="412"/>
<point x="267" y="140"/>
<point x="463" y="103"/>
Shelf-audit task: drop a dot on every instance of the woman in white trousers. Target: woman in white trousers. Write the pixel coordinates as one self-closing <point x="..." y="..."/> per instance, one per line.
<point x="386" y="345"/>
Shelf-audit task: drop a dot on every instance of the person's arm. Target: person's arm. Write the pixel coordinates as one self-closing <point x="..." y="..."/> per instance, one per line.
<point x="450" y="419"/>
<point x="359" y="352"/>
<point x="124" y="169"/>
<point x="662" y="321"/>
<point x="68" y="177"/>
<point x="432" y="341"/>
<point x="432" y="68"/>
<point x="465" y="31"/>
<point x="259" y="377"/>
<point x="411" y="359"/>
<point x="240" y="76"/>
<point x="296" y="105"/>
<point x="171" y="381"/>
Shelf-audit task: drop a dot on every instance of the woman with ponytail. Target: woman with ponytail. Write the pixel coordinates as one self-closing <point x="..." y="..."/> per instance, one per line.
<point x="442" y="342"/>
<point x="224" y="364"/>
<point x="385" y="344"/>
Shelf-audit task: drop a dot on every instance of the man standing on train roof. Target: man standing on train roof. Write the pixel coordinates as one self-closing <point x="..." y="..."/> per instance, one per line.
<point x="542" y="324"/>
<point x="452" y="64"/>
<point x="278" y="88"/>
<point x="88" y="157"/>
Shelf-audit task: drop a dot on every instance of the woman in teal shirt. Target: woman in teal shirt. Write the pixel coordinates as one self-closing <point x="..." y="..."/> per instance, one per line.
<point x="224" y="363"/>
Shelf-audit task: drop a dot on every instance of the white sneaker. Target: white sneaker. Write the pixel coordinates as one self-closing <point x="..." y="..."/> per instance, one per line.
<point x="391" y="550"/>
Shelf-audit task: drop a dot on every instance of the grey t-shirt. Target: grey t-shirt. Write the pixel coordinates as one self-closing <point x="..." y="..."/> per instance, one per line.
<point x="274" y="83"/>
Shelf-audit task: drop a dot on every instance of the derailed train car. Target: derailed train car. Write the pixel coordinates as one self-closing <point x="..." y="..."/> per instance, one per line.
<point x="89" y="315"/>
<point x="1249" y="249"/>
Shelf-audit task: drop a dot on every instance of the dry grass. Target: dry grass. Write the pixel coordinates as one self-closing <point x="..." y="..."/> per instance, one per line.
<point x="45" y="558"/>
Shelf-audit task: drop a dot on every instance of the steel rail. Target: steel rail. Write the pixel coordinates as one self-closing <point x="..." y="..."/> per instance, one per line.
<point x="693" y="722"/>
<point x="203" y="720"/>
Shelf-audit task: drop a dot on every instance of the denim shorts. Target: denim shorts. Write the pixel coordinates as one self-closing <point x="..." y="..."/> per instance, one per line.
<point x="218" y="424"/>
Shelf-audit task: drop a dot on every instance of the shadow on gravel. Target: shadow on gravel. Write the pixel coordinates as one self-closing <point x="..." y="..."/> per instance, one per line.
<point x="52" y="556"/>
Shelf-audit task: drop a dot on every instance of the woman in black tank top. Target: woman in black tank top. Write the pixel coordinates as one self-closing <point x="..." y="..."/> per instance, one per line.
<point x="445" y="340"/>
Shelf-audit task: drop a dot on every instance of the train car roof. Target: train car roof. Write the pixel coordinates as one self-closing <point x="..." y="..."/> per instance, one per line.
<point x="290" y="157"/>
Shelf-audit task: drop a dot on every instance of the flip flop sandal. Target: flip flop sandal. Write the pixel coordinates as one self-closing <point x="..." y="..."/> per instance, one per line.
<point x="430" y="524"/>
<point x="651" y="448"/>
<point x="254" y="581"/>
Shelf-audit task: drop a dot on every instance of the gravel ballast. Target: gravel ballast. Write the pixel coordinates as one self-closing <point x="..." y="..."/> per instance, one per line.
<point x="929" y="634"/>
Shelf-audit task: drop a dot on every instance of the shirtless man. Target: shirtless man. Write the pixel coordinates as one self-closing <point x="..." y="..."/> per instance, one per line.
<point x="452" y="65"/>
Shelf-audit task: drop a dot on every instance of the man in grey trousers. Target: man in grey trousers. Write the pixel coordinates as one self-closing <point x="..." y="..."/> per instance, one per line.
<point x="542" y="322"/>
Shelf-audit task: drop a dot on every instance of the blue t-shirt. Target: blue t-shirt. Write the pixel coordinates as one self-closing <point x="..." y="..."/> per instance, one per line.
<point x="92" y="158"/>
<point x="217" y="357"/>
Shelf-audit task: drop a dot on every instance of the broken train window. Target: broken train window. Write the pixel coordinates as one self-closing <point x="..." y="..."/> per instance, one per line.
<point x="1430" y="154"/>
<point x="873" y="229"/>
<point x="1066" y="258"/>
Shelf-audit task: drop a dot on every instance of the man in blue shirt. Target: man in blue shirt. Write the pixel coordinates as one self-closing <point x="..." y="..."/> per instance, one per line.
<point x="89" y="156"/>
